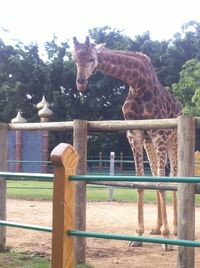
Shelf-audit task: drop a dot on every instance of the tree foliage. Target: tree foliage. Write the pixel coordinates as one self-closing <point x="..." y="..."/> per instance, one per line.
<point x="187" y="90"/>
<point x="25" y="76"/>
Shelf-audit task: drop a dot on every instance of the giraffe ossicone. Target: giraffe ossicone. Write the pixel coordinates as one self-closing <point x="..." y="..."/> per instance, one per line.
<point x="147" y="99"/>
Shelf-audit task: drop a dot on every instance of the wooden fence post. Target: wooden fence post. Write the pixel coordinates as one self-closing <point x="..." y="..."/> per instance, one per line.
<point x="80" y="146"/>
<point x="3" y="167"/>
<point x="186" y="191"/>
<point x="64" y="159"/>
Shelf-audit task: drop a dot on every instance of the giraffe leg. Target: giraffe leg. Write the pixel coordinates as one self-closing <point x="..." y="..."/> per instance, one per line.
<point x="172" y="152"/>
<point x="162" y="158"/>
<point x="151" y="154"/>
<point x="136" y="141"/>
<point x="174" y="200"/>
<point x="165" y="232"/>
<point x="140" y="227"/>
<point x="156" y="230"/>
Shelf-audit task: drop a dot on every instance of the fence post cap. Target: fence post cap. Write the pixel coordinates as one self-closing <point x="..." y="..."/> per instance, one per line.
<point x="64" y="155"/>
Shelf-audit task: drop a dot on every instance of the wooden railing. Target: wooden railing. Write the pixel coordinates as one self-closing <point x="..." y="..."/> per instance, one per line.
<point x="186" y="127"/>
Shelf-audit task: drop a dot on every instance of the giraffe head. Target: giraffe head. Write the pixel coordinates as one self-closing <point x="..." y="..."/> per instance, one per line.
<point x="85" y="57"/>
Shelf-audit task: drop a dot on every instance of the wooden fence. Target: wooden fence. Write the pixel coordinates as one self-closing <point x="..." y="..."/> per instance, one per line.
<point x="186" y="132"/>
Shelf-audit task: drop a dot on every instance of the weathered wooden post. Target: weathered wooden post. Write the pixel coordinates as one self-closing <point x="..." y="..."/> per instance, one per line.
<point x="3" y="167"/>
<point x="186" y="191"/>
<point x="80" y="146"/>
<point x="64" y="160"/>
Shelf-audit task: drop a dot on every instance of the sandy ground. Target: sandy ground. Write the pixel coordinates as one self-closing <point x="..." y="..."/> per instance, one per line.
<point x="101" y="216"/>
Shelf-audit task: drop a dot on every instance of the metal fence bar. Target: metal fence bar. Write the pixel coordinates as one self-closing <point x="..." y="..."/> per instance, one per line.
<point x="21" y="175"/>
<point x="112" y="172"/>
<point x="26" y="226"/>
<point x="180" y="242"/>
<point x="134" y="178"/>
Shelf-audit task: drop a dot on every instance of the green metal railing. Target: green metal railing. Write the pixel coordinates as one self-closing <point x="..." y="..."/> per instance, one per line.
<point x="26" y="176"/>
<point x="36" y="176"/>
<point x="101" y="178"/>
<point x="134" y="178"/>
<point x="168" y="241"/>
<point x="177" y="242"/>
<point x="26" y="226"/>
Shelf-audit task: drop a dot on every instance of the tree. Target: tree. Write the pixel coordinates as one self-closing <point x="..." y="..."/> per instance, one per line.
<point x="187" y="90"/>
<point x="25" y="77"/>
<point x="22" y="76"/>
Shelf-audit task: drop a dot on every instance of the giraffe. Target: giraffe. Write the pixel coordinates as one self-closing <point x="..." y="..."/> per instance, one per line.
<point x="146" y="99"/>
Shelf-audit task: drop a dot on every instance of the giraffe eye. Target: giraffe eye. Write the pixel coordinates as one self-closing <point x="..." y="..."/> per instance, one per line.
<point x="91" y="60"/>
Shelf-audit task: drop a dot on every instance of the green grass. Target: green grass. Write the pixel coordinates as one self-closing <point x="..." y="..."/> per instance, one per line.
<point x="43" y="191"/>
<point x="122" y="195"/>
<point x="24" y="260"/>
<point x="16" y="260"/>
<point x="30" y="190"/>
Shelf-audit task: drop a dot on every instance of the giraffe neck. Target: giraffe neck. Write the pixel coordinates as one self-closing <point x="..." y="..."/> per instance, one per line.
<point x="147" y="98"/>
<point x="129" y="67"/>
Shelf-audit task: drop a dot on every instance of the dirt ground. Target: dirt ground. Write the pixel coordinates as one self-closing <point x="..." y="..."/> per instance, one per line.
<point x="101" y="216"/>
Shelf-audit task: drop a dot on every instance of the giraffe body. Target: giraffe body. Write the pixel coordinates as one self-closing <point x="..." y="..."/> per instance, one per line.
<point x="147" y="99"/>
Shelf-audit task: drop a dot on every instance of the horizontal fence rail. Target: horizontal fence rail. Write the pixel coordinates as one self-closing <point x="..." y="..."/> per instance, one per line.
<point x="121" y="125"/>
<point x="23" y="176"/>
<point x="99" y="126"/>
<point x="134" y="178"/>
<point x="55" y="126"/>
<point x="26" y="226"/>
<point x="177" y="242"/>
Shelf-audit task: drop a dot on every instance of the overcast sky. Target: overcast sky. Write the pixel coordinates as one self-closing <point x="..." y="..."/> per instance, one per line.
<point x="38" y="20"/>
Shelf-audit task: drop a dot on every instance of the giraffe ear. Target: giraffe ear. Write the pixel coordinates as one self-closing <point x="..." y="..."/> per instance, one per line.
<point x="76" y="42"/>
<point x="100" y="47"/>
<point x="87" y="41"/>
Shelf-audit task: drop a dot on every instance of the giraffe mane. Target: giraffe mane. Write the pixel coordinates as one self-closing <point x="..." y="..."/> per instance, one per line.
<point x="136" y="54"/>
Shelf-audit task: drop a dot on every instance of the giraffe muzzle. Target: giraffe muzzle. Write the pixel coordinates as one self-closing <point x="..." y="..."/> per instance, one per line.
<point x="81" y="84"/>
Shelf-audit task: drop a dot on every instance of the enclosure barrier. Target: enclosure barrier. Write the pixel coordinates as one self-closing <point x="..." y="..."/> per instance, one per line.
<point x="64" y="159"/>
<point x="186" y="191"/>
<point x="186" y="134"/>
<point x="24" y="177"/>
<point x="186" y="216"/>
<point x="63" y="219"/>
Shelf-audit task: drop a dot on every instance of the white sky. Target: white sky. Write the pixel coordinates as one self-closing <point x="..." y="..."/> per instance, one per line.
<point x="38" y="20"/>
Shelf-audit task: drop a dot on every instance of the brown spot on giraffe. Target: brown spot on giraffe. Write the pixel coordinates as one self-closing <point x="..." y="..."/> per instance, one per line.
<point x="147" y="99"/>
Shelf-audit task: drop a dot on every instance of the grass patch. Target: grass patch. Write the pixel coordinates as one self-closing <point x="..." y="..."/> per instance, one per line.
<point x="25" y="260"/>
<point x="122" y="195"/>
<point x="43" y="191"/>
<point x="16" y="260"/>
<point x="30" y="190"/>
